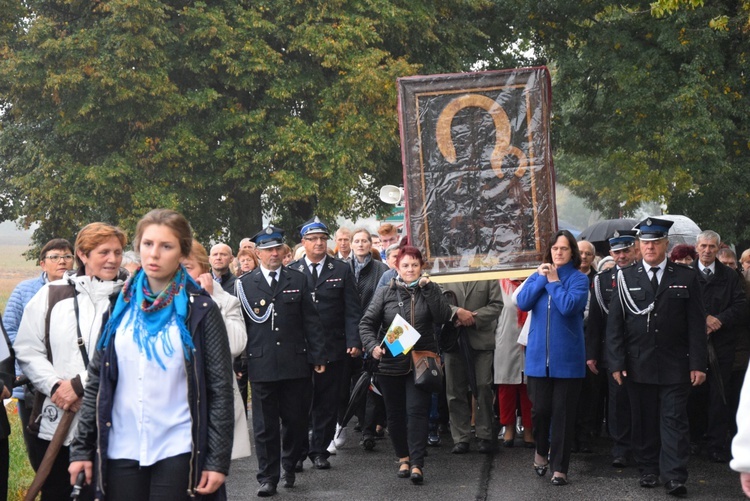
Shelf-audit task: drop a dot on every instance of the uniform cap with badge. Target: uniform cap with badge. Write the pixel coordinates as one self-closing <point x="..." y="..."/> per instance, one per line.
<point x="268" y="237"/>
<point x="622" y="239"/>
<point x="653" y="228"/>
<point x="312" y="227"/>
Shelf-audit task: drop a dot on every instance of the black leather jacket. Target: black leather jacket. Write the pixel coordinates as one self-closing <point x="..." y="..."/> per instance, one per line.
<point x="430" y="308"/>
<point x="209" y="396"/>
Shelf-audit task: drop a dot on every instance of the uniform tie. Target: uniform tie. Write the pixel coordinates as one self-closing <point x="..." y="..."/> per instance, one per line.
<point x="274" y="282"/>
<point x="654" y="280"/>
<point x="314" y="272"/>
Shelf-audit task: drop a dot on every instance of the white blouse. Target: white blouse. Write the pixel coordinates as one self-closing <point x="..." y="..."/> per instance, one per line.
<point x="150" y="416"/>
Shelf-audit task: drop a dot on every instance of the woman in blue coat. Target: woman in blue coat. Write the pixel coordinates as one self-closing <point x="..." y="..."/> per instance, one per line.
<point x="555" y="355"/>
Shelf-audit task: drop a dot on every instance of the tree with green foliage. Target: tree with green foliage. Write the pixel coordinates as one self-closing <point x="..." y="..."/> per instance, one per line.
<point x="226" y="110"/>
<point x="649" y="105"/>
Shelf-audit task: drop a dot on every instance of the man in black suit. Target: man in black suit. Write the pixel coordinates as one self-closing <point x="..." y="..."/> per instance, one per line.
<point x="284" y="339"/>
<point x="656" y="338"/>
<point x="726" y="317"/>
<point x="337" y="301"/>
<point x="622" y="250"/>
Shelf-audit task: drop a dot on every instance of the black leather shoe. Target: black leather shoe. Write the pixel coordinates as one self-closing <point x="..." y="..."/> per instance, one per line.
<point x="266" y="490"/>
<point x="675" y="488"/>
<point x="321" y="463"/>
<point x="416" y="476"/>
<point x="620" y="462"/>
<point x="433" y="439"/>
<point x="299" y="465"/>
<point x="485" y="446"/>
<point x="367" y="443"/>
<point x="460" y="448"/>
<point x="288" y="478"/>
<point x="649" y="480"/>
<point x="559" y="481"/>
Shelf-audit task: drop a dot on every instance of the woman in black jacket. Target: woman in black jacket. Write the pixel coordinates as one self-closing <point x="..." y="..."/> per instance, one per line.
<point x="170" y="440"/>
<point x="421" y="303"/>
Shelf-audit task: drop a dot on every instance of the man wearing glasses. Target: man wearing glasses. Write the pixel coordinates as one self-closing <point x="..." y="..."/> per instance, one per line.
<point x="55" y="259"/>
<point x="337" y="301"/>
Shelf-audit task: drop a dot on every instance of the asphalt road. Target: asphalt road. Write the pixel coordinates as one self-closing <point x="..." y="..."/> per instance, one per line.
<point x="507" y="475"/>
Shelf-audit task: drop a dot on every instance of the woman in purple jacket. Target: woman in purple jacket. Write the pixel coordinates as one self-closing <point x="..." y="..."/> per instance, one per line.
<point x="555" y="355"/>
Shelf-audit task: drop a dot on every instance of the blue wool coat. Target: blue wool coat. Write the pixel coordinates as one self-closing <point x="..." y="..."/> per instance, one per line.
<point x="556" y="346"/>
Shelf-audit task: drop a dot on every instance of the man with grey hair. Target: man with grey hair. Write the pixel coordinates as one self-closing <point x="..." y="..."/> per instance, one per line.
<point x="344" y="244"/>
<point x="726" y="318"/>
<point x="390" y="259"/>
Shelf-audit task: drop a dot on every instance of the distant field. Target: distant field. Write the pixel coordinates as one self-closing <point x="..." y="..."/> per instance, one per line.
<point x="13" y="269"/>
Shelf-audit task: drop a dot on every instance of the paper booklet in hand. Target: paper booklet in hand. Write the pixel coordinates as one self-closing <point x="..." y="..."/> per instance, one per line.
<point x="401" y="336"/>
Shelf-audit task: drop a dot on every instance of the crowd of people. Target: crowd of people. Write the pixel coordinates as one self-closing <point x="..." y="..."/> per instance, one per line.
<point x="648" y="349"/>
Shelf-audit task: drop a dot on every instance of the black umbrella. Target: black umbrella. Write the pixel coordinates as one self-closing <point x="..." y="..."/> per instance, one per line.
<point x="604" y="230"/>
<point x="468" y="353"/>
<point x="715" y="367"/>
<point x="359" y="392"/>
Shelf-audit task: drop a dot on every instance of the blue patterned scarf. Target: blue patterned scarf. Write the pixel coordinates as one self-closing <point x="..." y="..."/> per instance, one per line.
<point x="152" y="314"/>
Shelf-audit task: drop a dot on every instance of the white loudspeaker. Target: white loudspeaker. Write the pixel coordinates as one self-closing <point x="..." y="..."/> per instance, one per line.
<point x="391" y="194"/>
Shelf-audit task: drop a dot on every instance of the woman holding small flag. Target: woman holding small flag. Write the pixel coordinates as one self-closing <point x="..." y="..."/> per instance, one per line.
<point x="420" y="305"/>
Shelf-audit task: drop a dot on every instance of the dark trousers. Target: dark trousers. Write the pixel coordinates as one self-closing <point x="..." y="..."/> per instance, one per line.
<point x="288" y="401"/>
<point x="375" y="413"/>
<point x="553" y="412"/>
<point x="324" y="410"/>
<point x="708" y="413"/>
<point x="4" y="465"/>
<point x="57" y="486"/>
<point x="661" y="438"/>
<point x="618" y="417"/>
<point x="24" y="413"/>
<point x="350" y="372"/>
<point x="589" y="413"/>
<point x="408" y="410"/>
<point x="165" y="480"/>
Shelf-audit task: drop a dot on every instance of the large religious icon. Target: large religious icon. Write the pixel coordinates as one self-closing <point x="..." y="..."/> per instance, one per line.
<point x="478" y="174"/>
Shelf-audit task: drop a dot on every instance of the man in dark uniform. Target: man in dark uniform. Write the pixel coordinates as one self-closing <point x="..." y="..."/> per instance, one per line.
<point x="337" y="301"/>
<point x="656" y="338"/>
<point x="622" y="250"/>
<point x="724" y="299"/>
<point x="284" y="339"/>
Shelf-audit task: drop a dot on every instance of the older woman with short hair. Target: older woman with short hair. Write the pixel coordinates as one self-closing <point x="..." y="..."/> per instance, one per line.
<point x="58" y="335"/>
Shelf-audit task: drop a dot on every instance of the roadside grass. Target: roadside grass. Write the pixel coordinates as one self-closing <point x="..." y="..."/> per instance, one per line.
<point x="20" y="473"/>
<point x="14" y="268"/>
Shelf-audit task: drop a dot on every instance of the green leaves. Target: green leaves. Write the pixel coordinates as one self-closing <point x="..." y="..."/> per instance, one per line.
<point x="224" y="110"/>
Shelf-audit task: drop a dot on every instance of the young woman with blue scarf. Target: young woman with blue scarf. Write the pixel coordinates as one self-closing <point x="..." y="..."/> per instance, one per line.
<point x="159" y="392"/>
